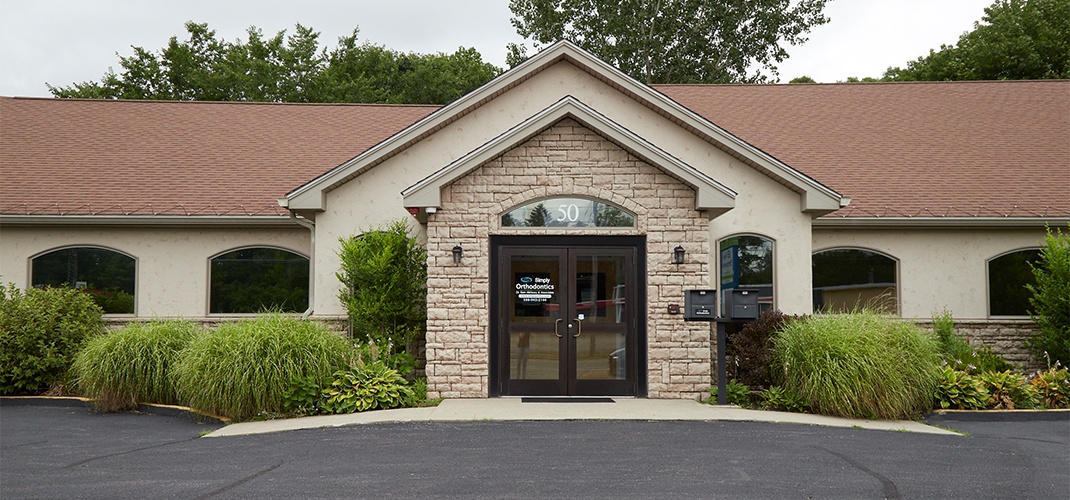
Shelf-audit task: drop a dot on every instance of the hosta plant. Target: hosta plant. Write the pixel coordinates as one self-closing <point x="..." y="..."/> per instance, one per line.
<point x="1053" y="387"/>
<point x="735" y="393"/>
<point x="961" y="391"/>
<point x="368" y="386"/>
<point x="779" y="398"/>
<point x="1008" y="390"/>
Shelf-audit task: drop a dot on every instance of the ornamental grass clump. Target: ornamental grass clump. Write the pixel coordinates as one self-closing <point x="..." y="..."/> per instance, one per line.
<point x="859" y="365"/>
<point x="133" y="365"/>
<point x="240" y="370"/>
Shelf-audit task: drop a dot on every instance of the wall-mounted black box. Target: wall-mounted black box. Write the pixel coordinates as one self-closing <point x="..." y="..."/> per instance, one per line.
<point x="700" y="305"/>
<point x="741" y="304"/>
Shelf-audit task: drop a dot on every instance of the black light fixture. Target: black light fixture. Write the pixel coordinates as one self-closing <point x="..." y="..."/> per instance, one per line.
<point x="457" y="253"/>
<point x="678" y="254"/>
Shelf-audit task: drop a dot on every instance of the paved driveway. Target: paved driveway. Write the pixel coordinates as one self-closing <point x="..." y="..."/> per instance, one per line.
<point x="57" y="452"/>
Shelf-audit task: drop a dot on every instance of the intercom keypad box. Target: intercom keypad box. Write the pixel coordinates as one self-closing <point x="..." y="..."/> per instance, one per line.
<point x="700" y="305"/>
<point x="741" y="304"/>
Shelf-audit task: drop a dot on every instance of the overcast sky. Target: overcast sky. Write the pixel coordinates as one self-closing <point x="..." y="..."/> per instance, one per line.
<point x="61" y="42"/>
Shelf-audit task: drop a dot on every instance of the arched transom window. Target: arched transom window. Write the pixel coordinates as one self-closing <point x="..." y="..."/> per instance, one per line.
<point x="568" y="212"/>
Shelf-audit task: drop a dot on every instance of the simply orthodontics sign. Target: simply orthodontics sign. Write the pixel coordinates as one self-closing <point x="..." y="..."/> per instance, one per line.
<point x="534" y="288"/>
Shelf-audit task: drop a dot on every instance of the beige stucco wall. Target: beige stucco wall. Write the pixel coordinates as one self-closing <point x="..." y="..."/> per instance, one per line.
<point x="373" y="199"/>
<point x="938" y="267"/>
<point x="172" y="263"/>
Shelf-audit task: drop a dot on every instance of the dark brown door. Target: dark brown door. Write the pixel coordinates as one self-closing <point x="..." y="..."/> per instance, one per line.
<point x="567" y="320"/>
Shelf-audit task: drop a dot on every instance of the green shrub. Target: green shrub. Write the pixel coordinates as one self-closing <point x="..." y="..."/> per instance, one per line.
<point x="1008" y="390"/>
<point x="384" y="273"/>
<point x="736" y="394"/>
<point x="243" y="369"/>
<point x="780" y="399"/>
<point x="41" y="330"/>
<point x="1051" y="299"/>
<point x="132" y="365"/>
<point x="1053" y="387"/>
<point x="751" y="349"/>
<point x="859" y="365"/>
<point x="959" y="354"/>
<point x="368" y="386"/>
<point x="961" y="391"/>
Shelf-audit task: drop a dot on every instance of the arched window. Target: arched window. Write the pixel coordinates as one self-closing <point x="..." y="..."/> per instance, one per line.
<point x="258" y="279"/>
<point x="568" y="212"/>
<point x="108" y="276"/>
<point x="846" y="279"/>
<point x="747" y="263"/>
<point x="1008" y="275"/>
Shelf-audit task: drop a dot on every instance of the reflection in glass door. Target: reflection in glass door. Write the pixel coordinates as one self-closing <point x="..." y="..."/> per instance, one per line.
<point x="568" y="321"/>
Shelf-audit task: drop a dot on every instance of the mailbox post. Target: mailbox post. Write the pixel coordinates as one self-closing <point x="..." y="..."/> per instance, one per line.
<point x="741" y="306"/>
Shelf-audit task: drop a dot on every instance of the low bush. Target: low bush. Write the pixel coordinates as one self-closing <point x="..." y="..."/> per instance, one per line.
<point x="959" y="390"/>
<point x="960" y="354"/>
<point x="243" y="369"/>
<point x="132" y="365"/>
<point x="1050" y="301"/>
<point x="370" y="386"/>
<point x="736" y="393"/>
<point x="780" y="399"/>
<point x="859" y="365"/>
<point x="1008" y="390"/>
<point x="41" y="330"/>
<point x="751" y="349"/>
<point x="1053" y="387"/>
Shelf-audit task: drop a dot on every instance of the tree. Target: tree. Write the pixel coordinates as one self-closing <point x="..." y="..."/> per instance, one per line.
<point x="803" y="79"/>
<point x="286" y="69"/>
<point x="674" y="41"/>
<point x="1015" y="40"/>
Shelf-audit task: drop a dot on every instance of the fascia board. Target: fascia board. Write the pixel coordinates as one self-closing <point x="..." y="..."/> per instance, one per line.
<point x="147" y="221"/>
<point x="938" y="222"/>
<point x="710" y="194"/>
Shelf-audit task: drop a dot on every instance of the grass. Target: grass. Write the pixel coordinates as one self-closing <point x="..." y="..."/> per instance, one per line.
<point x="859" y="365"/>
<point x="133" y="364"/>
<point x="242" y="369"/>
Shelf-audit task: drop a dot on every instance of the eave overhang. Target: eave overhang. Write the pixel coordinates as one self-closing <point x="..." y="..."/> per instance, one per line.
<point x="939" y="222"/>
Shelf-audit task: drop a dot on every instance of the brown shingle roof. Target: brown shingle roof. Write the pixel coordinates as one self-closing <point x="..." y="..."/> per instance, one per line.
<point x="91" y="157"/>
<point x="910" y="149"/>
<point x="917" y="149"/>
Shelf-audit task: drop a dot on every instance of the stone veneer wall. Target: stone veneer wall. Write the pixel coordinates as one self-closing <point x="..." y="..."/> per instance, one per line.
<point x="1005" y="337"/>
<point x="566" y="159"/>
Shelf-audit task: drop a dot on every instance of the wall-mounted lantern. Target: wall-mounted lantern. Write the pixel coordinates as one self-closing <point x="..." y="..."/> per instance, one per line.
<point x="678" y="254"/>
<point x="458" y="252"/>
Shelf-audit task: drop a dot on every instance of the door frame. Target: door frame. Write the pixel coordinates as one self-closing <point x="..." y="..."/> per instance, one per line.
<point x="495" y="326"/>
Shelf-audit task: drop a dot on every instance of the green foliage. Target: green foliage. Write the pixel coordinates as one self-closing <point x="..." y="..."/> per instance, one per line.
<point x="370" y="386"/>
<point x="41" y="330"/>
<point x="1008" y="390"/>
<point x="286" y="69"/>
<point x="751" y="349"/>
<point x="1053" y="387"/>
<point x="778" y="398"/>
<point x="737" y="394"/>
<point x="241" y="369"/>
<point x="1051" y="299"/>
<point x="959" y="354"/>
<point x="1015" y="40"/>
<point x="302" y="397"/>
<point x="673" y="41"/>
<point x="802" y="79"/>
<point x="384" y="273"/>
<point x="132" y="365"/>
<point x="961" y="391"/>
<point x="859" y="365"/>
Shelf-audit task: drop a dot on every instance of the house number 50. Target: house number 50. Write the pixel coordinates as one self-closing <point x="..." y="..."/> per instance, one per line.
<point x="569" y="213"/>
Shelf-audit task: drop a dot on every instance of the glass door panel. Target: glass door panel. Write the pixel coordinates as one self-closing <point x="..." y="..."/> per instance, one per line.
<point x="599" y="349"/>
<point x="533" y="293"/>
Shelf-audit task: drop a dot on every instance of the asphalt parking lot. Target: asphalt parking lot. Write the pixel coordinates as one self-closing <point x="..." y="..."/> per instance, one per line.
<point x="68" y="452"/>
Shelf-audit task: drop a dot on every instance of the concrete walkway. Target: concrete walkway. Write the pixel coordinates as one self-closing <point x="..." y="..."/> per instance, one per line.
<point x="502" y="409"/>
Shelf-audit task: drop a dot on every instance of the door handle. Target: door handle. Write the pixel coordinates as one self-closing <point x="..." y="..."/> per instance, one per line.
<point x="556" y="325"/>
<point x="579" y="328"/>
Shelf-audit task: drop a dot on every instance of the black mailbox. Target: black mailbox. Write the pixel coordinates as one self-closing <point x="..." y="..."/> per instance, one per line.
<point x="700" y="305"/>
<point x="741" y="304"/>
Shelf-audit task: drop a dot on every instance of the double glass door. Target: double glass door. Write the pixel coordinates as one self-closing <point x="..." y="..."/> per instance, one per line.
<point x="567" y="321"/>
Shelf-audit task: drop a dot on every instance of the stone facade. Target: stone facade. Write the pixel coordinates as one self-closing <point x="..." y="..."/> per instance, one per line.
<point x="565" y="159"/>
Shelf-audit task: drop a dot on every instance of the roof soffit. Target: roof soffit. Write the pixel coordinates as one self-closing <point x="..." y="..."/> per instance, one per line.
<point x="815" y="197"/>
<point x="710" y="195"/>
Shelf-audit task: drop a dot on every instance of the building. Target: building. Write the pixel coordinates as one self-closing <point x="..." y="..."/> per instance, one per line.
<point x="566" y="208"/>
